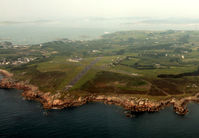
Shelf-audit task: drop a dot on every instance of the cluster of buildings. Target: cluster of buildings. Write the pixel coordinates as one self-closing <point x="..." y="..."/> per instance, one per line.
<point x="162" y="55"/>
<point x="192" y="86"/>
<point x="75" y="59"/>
<point x="116" y="61"/>
<point x="7" y="45"/>
<point x="17" y="61"/>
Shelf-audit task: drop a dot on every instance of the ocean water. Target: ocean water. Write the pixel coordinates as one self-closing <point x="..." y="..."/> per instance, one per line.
<point x="79" y="29"/>
<point x="23" y="34"/>
<point x="22" y="118"/>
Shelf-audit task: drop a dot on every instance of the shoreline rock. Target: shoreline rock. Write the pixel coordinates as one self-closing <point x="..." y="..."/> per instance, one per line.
<point x="5" y="73"/>
<point x="50" y="101"/>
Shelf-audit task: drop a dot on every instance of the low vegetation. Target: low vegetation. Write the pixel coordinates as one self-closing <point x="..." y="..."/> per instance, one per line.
<point x="148" y="63"/>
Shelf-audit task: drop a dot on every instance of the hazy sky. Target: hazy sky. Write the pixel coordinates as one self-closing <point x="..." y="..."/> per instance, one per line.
<point x="49" y="9"/>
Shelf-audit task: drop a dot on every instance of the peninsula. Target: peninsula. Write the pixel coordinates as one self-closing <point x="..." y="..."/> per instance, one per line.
<point x="142" y="71"/>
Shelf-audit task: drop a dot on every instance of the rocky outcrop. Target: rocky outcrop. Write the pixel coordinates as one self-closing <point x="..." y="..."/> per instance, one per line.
<point x="5" y="73"/>
<point x="56" y="101"/>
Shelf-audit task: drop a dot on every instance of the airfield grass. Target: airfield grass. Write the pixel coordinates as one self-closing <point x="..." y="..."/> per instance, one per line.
<point x="54" y="75"/>
<point x="108" y="77"/>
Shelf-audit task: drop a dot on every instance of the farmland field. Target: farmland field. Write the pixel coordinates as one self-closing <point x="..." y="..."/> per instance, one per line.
<point x="148" y="63"/>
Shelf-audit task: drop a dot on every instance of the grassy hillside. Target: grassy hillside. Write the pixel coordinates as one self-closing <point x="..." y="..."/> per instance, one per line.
<point x="129" y="63"/>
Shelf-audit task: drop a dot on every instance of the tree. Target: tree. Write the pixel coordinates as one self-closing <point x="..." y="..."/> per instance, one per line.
<point x="184" y="39"/>
<point x="121" y="52"/>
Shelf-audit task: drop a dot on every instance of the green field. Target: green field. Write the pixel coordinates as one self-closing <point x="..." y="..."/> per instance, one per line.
<point x="131" y="63"/>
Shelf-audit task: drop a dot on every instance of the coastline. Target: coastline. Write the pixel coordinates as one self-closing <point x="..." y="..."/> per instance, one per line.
<point x="56" y="101"/>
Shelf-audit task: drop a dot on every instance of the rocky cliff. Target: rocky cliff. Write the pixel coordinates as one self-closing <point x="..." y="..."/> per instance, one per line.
<point x="56" y="101"/>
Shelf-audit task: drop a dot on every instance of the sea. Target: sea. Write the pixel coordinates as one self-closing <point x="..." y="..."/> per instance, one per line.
<point x="41" y="31"/>
<point x="23" y="118"/>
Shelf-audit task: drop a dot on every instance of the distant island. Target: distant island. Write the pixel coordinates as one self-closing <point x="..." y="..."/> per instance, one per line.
<point x="142" y="71"/>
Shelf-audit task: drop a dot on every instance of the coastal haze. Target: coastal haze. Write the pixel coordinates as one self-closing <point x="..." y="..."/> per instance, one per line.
<point x="35" y="21"/>
<point x="86" y="28"/>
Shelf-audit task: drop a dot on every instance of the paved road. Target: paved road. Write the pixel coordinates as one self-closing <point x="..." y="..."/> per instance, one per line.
<point x="81" y="74"/>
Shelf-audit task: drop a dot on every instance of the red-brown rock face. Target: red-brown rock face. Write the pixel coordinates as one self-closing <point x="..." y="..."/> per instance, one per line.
<point x="50" y="101"/>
